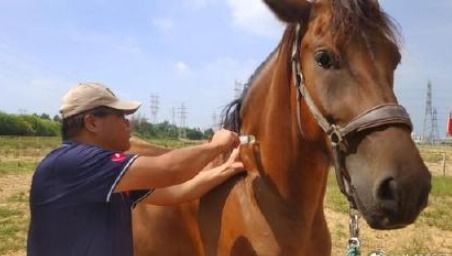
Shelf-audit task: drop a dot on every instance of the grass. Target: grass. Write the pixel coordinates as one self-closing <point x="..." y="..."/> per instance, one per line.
<point x="334" y="199"/>
<point x="13" y="223"/>
<point x="17" y="167"/>
<point x="19" y="155"/>
<point x="172" y="143"/>
<point x="438" y="214"/>
<point x="8" y="143"/>
<point x="434" y="153"/>
<point x="442" y="186"/>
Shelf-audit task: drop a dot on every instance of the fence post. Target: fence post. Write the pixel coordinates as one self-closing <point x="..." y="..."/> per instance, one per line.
<point x="444" y="163"/>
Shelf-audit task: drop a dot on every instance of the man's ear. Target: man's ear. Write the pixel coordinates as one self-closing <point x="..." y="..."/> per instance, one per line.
<point x="291" y="11"/>
<point x="90" y="123"/>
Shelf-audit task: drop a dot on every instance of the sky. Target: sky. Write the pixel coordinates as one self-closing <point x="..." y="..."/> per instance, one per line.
<point x="187" y="52"/>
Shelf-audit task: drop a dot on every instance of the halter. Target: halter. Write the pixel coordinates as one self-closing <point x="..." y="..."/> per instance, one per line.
<point x="378" y="116"/>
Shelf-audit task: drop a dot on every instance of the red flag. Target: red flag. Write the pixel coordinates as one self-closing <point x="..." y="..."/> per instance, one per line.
<point x="449" y="125"/>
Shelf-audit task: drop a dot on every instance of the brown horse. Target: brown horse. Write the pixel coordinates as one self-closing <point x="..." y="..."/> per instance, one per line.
<point x="324" y="96"/>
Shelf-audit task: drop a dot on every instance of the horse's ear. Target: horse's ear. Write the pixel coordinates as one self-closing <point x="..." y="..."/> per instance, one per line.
<point x="375" y="2"/>
<point x="290" y="10"/>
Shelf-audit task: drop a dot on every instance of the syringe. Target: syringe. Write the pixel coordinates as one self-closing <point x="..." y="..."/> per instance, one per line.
<point x="247" y="139"/>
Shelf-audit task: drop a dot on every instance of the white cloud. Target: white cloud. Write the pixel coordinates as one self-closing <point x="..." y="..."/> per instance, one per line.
<point x="181" y="67"/>
<point x="163" y="24"/>
<point x="255" y="17"/>
<point x="35" y="95"/>
<point x="196" y="4"/>
<point x="26" y="84"/>
<point x="126" y="44"/>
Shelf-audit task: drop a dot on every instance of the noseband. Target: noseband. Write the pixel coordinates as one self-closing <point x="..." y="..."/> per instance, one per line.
<point x="381" y="115"/>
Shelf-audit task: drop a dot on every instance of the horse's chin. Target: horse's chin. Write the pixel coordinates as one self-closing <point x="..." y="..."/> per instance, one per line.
<point x="384" y="219"/>
<point x="380" y="222"/>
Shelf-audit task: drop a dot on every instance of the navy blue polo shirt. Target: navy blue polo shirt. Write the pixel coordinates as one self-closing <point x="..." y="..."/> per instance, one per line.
<point x="73" y="208"/>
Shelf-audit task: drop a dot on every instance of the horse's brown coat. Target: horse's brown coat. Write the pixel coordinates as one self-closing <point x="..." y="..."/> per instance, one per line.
<point x="277" y="207"/>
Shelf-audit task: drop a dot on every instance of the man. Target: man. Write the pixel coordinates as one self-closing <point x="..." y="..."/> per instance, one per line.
<point x="82" y="192"/>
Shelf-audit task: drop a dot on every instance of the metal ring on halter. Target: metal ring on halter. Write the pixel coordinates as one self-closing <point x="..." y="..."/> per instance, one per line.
<point x="354" y="241"/>
<point x="335" y="136"/>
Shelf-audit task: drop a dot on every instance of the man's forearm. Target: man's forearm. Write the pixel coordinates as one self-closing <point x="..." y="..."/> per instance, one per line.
<point x="190" y="190"/>
<point x="187" y="162"/>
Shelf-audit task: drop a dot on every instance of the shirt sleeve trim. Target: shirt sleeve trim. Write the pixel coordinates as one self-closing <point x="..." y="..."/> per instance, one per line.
<point x="142" y="198"/>
<point x="118" y="178"/>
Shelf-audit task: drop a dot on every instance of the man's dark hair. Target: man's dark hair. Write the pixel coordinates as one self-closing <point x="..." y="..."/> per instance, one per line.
<point x="73" y="125"/>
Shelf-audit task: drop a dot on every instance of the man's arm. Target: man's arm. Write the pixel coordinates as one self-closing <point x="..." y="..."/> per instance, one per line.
<point x="198" y="185"/>
<point x="175" y="166"/>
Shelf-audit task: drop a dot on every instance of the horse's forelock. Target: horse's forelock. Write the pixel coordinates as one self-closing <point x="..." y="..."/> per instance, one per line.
<point x="350" y="17"/>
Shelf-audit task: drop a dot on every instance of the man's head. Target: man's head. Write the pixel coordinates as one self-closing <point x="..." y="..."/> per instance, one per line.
<point x="90" y="111"/>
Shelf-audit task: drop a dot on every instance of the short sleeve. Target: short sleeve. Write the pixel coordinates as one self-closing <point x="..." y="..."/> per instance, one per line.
<point x="90" y="174"/>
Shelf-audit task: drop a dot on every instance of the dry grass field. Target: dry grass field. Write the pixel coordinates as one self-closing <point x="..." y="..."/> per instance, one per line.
<point x="430" y="235"/>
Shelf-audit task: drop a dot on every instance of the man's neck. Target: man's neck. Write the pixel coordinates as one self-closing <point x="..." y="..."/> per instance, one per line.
<point x="87" y="139"/>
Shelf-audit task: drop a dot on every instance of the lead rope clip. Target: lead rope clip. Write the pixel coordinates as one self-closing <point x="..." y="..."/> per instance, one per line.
<point x="353" y="247"/>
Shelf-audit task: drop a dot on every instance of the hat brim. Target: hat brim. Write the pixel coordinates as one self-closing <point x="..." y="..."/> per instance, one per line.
<point x="129" y="107"/>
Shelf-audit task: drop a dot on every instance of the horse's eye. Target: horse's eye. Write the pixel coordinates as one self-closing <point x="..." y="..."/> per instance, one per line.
<point x="324" y="59"/>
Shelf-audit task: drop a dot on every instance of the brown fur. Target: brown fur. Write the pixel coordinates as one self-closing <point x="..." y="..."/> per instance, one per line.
<point x="277" y="208"/>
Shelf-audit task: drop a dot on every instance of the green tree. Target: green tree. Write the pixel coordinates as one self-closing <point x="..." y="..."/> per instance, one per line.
<point x="194" y="134"/>
<point x="44" y="116"/>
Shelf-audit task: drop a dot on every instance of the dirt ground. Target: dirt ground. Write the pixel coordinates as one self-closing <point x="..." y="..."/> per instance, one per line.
<point x="417" y="239"/>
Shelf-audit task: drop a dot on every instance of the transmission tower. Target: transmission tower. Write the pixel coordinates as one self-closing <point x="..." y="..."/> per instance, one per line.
<point x="173" y="116"/>
<point x="215" y="123"/>
<point x="154" y="108"/>
<point x="435" y="130"/>
<point x="238" y="89"/>
<point x="182" y="111"/>
<point x="428" y="116"/>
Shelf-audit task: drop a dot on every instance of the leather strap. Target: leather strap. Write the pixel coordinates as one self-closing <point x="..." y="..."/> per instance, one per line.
<point x="382" y="115"/>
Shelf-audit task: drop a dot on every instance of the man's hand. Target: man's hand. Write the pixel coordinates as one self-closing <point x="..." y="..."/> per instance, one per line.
<point x="233" y="165"/>
<point x="225" y="139"/>
<point x="199" y="185"/>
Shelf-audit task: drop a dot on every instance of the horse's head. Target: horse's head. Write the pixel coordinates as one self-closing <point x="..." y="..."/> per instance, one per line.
<point x="347" y="54"/>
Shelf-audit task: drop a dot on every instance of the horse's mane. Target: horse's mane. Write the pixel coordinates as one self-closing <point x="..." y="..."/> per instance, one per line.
<point x="231" y="113"/>
<point x="349" y="17"/>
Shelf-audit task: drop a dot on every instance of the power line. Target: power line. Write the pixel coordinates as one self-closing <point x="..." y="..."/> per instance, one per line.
<point x="173" y="116"/>
<point x="238" y="89"/>
<point x="182" y="111"/>
<point x="430" y="134"/>
<point x="435" y="131"/>
<point x="154" y="108"/>
<point x="215" y="122"/>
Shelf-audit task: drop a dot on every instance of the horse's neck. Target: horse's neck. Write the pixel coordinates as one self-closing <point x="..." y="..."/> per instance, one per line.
<point x="293" y="165"/>
<point x="144" y="148"/>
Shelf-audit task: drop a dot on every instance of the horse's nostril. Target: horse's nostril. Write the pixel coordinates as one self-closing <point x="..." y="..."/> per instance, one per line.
<point x="387" y="191"/>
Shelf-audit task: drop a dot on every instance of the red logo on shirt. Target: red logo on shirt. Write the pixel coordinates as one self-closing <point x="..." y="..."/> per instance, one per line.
<point x="118" y="157"/>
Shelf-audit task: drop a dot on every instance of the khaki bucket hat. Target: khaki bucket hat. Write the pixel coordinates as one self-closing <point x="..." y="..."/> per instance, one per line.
<point x="87" y="96"/>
